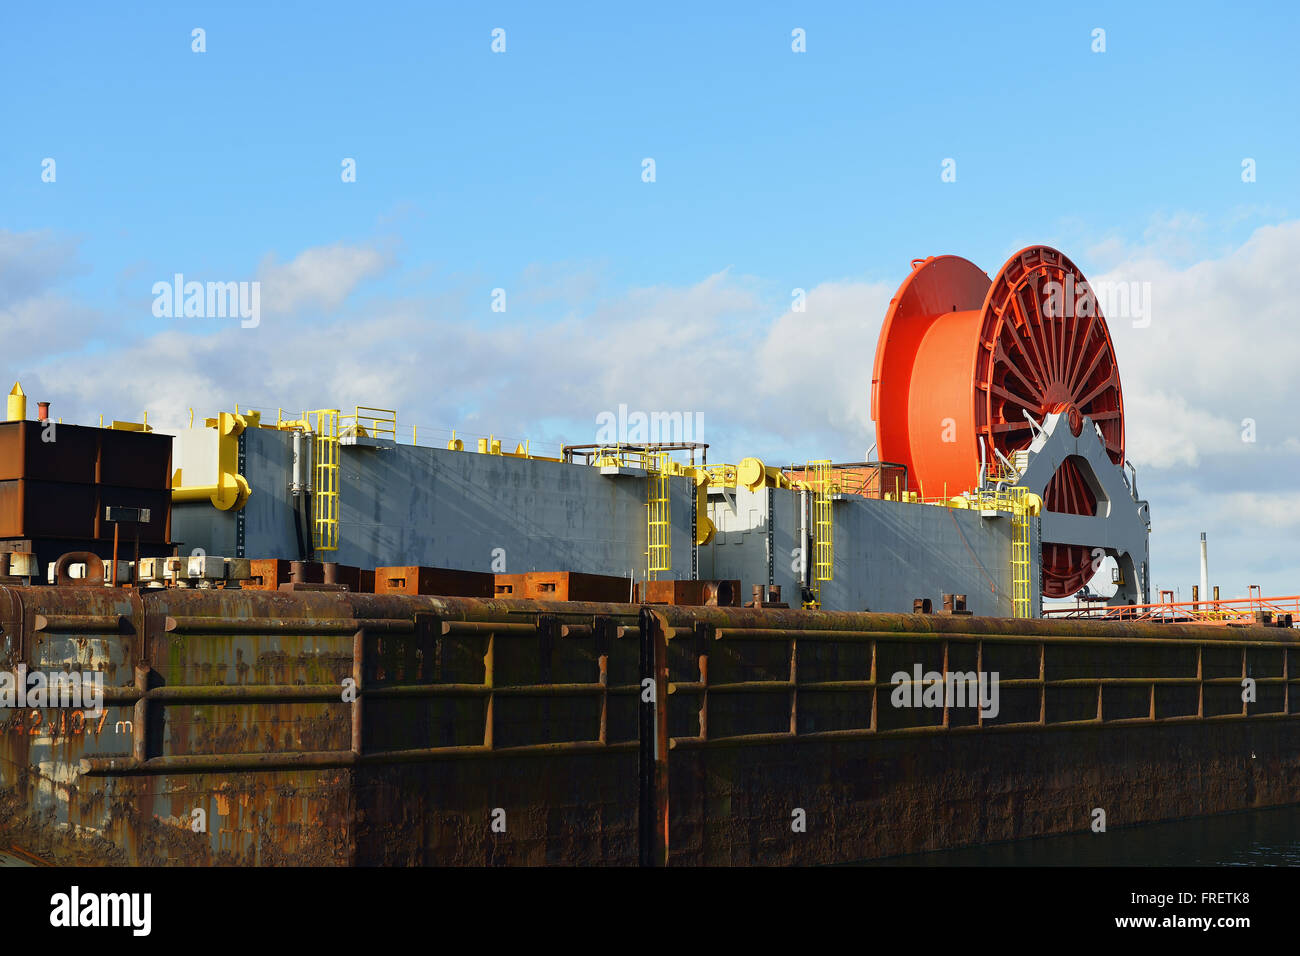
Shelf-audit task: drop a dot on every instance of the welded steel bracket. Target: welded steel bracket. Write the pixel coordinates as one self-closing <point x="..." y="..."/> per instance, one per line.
<point x="1122" y="526"/>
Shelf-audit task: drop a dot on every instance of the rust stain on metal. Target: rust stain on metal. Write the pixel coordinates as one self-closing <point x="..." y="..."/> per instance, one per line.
<point x="247" y="727"/>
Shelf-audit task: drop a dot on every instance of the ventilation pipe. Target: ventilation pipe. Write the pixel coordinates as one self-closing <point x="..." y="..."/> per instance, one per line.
<point x="1205" y="566"/>
<point x="17" y="405"/>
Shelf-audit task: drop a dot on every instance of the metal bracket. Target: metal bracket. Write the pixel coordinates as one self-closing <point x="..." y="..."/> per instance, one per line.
<point x="1122" y="525"/>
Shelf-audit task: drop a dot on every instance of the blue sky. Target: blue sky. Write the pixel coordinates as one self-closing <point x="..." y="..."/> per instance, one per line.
<point x="796" y="168"/>
<point x="774" y="170"/>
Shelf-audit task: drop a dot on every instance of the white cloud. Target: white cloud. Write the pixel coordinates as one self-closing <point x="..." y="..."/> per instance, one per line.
<point x="1222" y="346"/>
<point x="1164" y="430"/>
<point x="31" y="262"/>
<point x="1279" y="511"/>
<point x="44" y="322"/>
<point x="820" y="360"/>
<point x="321" y="277"/>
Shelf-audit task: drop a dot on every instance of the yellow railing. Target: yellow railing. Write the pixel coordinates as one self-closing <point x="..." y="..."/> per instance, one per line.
<point x="372" y="422"/>
<point x="619" y="456"/>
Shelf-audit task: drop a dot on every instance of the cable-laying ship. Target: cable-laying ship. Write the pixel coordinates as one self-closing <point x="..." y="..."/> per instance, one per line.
<point x="317" y="641"/>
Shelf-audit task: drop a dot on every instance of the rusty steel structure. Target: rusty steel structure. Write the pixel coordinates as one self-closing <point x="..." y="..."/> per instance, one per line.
<point x="59" y="483"/>
<point x="245" y="727"/>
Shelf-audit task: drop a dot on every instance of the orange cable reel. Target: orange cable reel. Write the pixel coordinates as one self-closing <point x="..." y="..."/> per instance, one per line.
<point x="964" y="359"/>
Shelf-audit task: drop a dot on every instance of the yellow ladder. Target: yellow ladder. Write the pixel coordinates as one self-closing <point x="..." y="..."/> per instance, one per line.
<point x="1019" y="552"/>
<point x="325" y="495"/>
<point x="823" y="526"/>
<point x="658" y="528"/>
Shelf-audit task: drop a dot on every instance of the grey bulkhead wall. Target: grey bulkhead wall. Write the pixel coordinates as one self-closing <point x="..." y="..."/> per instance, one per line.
<point x="430" y="506"/>
<point x="418" y="505"/>
<point x="739" y="550"/>
<point x="885" y="553"/>
<point x="269" y="528"/>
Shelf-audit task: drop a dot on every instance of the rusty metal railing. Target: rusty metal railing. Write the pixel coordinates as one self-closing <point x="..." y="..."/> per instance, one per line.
<point x="715" y="656"/>
<point x="430" y="623"/>
<point x="435" y="678"/>
<point x="769" y="676"/>
<point x="1163" y="649"/>
<point x="1227" y="611"/>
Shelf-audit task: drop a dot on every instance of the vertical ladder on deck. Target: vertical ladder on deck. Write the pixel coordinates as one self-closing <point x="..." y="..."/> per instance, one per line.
<point x="1019" y="552"/>
<point x="658" y="529"/>
<point x="325" y="495"/>
<point x="823" y="527"/>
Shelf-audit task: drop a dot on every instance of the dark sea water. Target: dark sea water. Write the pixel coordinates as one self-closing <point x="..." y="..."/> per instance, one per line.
<point x="1252" y="838"/>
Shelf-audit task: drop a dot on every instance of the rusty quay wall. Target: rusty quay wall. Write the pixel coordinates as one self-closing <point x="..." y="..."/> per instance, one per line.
<point x="268" y="728"/>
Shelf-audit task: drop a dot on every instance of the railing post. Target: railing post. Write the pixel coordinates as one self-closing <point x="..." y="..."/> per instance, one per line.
<point x="1042" y="683"/>
<point x="794" y="689"/>
<point x="604" y="632"/>
<point x="703" y="639"/>
<point x="548" y="635"/>
<point x="140" y="715"/>
<point x="358" y="680"/>
<point x="875" y="688"/>
<point x="1245" y="705"/>
<point x="946" y="718"/>
<point x="653" y="723"/>
<point x="489" y="661"/>
<point x="1286" y="680"/>
<point x="1200" y="680"/>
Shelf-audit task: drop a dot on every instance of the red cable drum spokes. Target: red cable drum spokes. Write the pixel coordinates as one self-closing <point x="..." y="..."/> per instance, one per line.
<point x="1050" y="352"/>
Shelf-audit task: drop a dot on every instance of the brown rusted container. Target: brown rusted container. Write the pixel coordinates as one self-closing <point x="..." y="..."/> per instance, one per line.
<point x="134" y="459"/>
<point x="84" y="455"/>
<point x="723" y="593"/>
<point x="566" y="586"/>
<point x="57" y="480"/>
<point x="267" y="574"/>
<point x="356" y="580"/>
<point x="271" y="574"/>
<point x="46" y="509"/>
<point x="422" y="580"/>
<point x="157" y="500"/>
<point x="511" y="586"/>
<point x="57" y="509"/>
<point x="71" y="457"/>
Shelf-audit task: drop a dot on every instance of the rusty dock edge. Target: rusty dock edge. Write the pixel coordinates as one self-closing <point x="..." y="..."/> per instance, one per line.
<point x="265" y="728"/>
